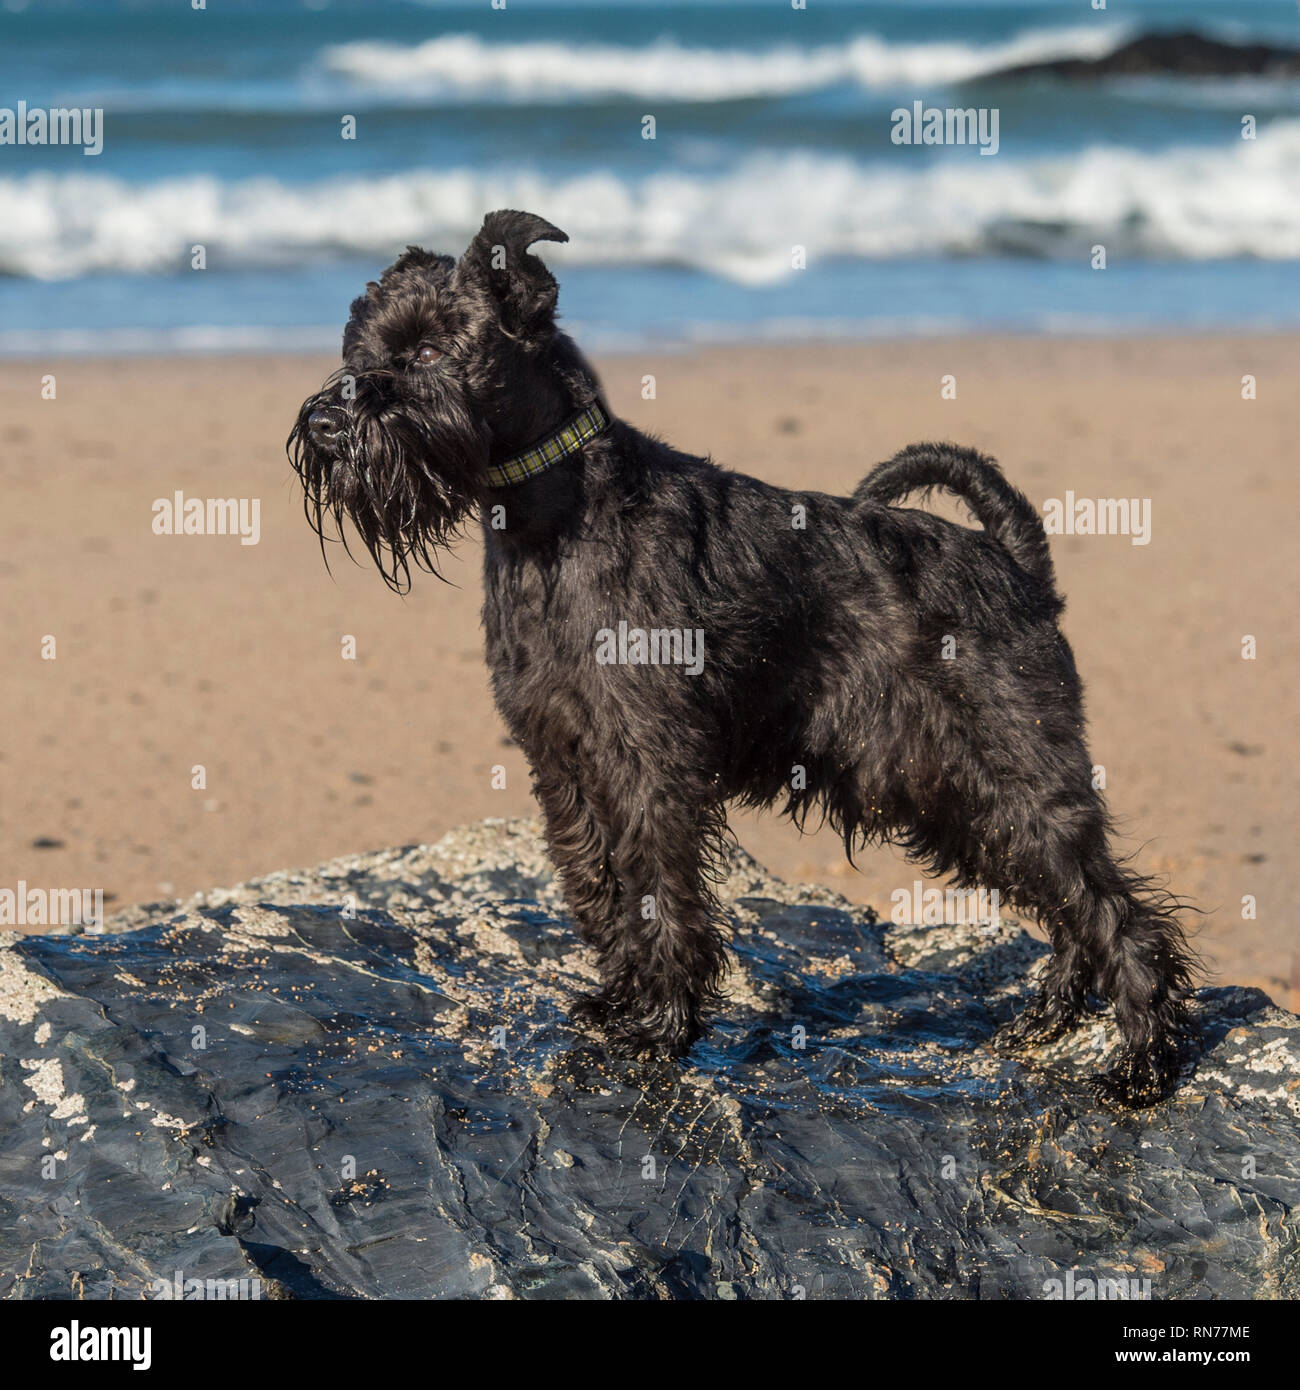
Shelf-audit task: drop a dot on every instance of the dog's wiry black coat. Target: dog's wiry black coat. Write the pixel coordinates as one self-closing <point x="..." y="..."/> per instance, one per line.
<point x="900" y="675"/>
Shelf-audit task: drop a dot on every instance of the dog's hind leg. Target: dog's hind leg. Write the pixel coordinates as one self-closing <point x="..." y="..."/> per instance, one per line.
<point x="1062" y="997"/>
<point x="1143" y="966"/>
<point x="1126" y="935"/>
<point x="1112" y="934"/>
<point x="663" y="966"/>
<point x="1032" y="826"/>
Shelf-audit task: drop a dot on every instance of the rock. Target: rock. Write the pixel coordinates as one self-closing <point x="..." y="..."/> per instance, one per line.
<point x="358" y="1081"/>
<point x="1181" y="54"/>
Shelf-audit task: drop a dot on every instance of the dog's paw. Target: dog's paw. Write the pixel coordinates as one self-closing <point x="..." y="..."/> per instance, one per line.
<point x="661" y="1034"/>
<point x="590" y="1011"/>
<point x="623" y="1034"/>
<point x="1042" y="1022"/>
<point x="1139" y="1079"/>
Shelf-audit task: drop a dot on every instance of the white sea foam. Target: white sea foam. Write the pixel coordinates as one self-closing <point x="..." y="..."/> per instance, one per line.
<point x="462" y="65"/>
<point x="1241" y="198"/>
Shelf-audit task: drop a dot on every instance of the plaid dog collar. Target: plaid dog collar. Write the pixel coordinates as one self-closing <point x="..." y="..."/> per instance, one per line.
<point x="578" y="430"/>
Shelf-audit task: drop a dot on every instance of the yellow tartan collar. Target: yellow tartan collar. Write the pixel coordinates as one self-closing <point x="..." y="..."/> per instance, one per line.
<point x="578" y="430"/>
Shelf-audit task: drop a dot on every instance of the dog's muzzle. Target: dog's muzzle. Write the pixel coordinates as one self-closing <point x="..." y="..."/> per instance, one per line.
<point x="326" y="428"/>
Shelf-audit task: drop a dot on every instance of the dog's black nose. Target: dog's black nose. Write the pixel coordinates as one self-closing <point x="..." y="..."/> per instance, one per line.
<point x="325" y="426"/>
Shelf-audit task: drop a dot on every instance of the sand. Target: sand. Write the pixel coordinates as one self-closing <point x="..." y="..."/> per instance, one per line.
<point x="175" y="653"/>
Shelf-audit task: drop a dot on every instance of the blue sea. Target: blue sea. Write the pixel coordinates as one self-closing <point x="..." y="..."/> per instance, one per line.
<point x="223" y="128"/>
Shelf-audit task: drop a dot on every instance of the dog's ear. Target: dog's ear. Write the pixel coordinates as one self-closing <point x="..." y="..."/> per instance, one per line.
<point x="498" y="259"/>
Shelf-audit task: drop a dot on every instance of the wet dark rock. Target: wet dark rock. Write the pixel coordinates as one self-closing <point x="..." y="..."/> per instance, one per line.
<point x="1183" y="54"/>
<point x="358" y="1081"/>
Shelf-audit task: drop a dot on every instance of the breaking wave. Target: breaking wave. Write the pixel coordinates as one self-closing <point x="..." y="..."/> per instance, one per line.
<point x="464" y="66"/>
<point x="1194" y="203"/>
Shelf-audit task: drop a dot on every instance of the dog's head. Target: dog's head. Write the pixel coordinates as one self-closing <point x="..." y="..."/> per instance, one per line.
<point x="448" y="366"/>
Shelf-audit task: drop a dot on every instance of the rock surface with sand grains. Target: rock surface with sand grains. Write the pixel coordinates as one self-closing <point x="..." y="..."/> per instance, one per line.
<point x="359" y="1082"/>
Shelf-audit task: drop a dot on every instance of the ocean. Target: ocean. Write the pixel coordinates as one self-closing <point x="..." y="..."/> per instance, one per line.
<point x="223" y="129"/>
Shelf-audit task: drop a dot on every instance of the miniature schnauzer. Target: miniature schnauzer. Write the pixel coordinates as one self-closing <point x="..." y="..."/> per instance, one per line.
<point x="666" y="636"/>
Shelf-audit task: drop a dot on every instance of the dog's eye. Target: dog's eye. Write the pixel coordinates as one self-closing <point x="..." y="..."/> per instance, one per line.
<point x="427" y="355"/>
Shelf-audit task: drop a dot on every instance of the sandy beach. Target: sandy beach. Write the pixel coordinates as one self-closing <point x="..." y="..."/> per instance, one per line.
<point x="176" y="653"/>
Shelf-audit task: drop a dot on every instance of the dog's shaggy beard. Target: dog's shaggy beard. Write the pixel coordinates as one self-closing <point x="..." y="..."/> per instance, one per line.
<point x="405" y="476"/>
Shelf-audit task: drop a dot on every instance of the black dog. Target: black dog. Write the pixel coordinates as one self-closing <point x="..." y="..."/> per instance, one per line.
<point x="666" y="636"/>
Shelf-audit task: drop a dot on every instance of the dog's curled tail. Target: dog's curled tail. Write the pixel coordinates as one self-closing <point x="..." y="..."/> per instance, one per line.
<point x="1002" y="510"/>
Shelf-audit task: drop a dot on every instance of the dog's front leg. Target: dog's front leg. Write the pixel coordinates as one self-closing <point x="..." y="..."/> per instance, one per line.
<point x="578" y="841"/>
<point x="663" y="965"/>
